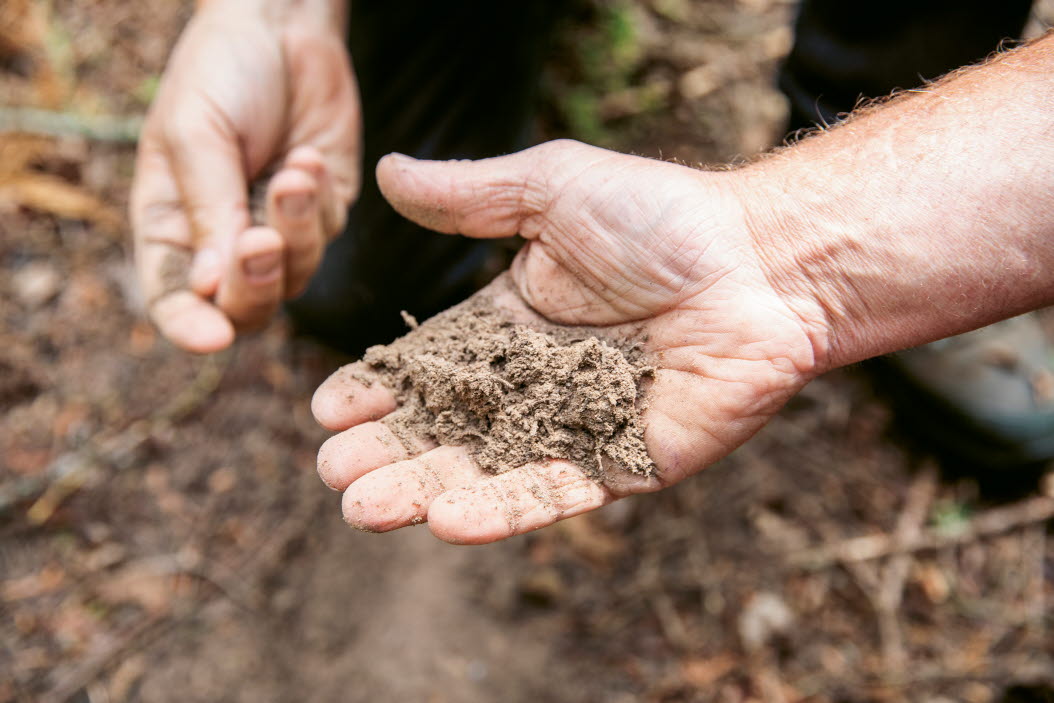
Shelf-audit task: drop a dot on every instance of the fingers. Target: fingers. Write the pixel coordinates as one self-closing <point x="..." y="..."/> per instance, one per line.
<point x="350" y="455"/>
<point x="462" y="504"/>
<point x="400" y="494"/>
<point x="243" y="267"/>
<point x="486" y="198"/>
<point x="295" y="203"/>
<point x="165" y="260"/>
<point x="251" y="287"/>
<point x="389" y="484"/>
<point x="191" y="323"/>
<point x="350" y="397"/>
<point x="327" y="117"/>
<point x="211" y="129"/>
<point x="193" y="244"/>
<point x="512" y="503"/>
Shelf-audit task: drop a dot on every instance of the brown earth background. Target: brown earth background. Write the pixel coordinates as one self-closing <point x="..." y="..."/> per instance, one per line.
<point x="163" y="536"/>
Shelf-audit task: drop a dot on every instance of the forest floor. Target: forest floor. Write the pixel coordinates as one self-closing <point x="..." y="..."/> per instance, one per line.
<point x="164" y="537"/>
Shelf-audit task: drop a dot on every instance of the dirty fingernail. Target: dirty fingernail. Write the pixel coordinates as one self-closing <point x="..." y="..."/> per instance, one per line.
<point x="296" y="205"/>
<point x="262" y="264"/>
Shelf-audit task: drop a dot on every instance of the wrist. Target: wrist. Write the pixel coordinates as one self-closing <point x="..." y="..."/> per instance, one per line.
<point x="327" y="16"/>
<point x="797" y="252"/>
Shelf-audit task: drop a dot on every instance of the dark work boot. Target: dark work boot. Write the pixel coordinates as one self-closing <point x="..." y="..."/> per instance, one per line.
<point x="985" y="397"/>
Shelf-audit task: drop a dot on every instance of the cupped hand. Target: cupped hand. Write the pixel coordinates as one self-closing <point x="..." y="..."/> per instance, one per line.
<point x="644" y="247"/>
<point x="247" y="90"/>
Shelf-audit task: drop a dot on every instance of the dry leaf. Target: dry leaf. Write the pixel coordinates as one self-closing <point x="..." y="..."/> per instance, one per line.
<point x="126" y="677"/>
<point x="933" y="582"/>
<point x="590" y="540"/>
<point x="21" y="186"/>
<point x="21" y="27"/>
<point x="703" y="673"/>
<point x="47" y="580"/>
<point x="50" y="194"/>
<point x="19" y="151"/>
<point x="142" y="584"/>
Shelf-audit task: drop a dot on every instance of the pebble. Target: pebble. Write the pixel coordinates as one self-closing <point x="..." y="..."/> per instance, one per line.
<point x="764" y="616"/>
<point x="36" y="283"/>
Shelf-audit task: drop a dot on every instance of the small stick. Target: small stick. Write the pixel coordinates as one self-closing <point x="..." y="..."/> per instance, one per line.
<point x="119" y="130"/>
<point x="90" y="669"/>
<point x="891" y="590"/>
<point x="409" y="319"/>
<point x="990" y="522"/>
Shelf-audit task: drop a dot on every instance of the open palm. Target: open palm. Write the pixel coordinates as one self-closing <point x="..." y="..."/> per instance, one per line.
<point x="642" y="247"/>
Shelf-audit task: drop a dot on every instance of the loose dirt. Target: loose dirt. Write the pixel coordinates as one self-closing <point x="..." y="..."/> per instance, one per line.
<point x="516" y="393"/>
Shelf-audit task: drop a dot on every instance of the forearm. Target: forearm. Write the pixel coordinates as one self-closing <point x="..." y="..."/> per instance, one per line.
<point x="921" y="218"/>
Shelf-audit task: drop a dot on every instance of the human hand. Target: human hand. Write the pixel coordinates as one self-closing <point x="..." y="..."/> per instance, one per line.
<point x="249" y="88"/>
<point x="643" y="247"/>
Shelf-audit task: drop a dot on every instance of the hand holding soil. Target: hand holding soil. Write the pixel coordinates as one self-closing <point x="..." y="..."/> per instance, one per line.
<point x="637" y="310"/>
<point x="249" y="90"/>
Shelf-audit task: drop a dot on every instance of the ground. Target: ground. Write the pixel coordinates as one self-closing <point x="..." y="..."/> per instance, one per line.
<point x="163" y="535"/>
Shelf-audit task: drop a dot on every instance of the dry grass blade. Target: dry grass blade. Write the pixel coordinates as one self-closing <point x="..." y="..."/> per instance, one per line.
<point x="98" y="128"/>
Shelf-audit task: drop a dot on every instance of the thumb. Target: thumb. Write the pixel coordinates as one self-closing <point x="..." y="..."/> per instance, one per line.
<point x="485" y="198"/>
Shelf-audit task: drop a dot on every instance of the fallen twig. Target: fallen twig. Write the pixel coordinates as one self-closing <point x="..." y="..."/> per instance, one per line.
<point x="121" y="130"/>
<point x="990" y="522"/>
<point x="891" y="589"/>
<point x="88" y="670"/>
<point x="73" y="469"/>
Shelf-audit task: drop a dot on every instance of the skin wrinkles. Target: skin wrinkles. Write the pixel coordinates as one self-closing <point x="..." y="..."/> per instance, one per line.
<point x="545" y="491"/>
<point x="591" y="289"/>
<point x="160" y="213"/>
<point x="753" y="377"/>
<point x="668" y="277"/>
<point x="699" y="358"/>
<point x="601" y="273"/>
<point x="491" y="193"/>
<point x="533" y="198"/>
<point x="683" y="462"/>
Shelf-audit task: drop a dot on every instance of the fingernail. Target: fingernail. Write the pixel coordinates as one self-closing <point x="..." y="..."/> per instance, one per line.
<point x="262" y="264"/>
<point x="296" y="205"/>
<point x="401" y="158"/>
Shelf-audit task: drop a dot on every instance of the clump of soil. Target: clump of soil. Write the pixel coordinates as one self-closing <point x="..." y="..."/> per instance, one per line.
<point x="514" y="393"/>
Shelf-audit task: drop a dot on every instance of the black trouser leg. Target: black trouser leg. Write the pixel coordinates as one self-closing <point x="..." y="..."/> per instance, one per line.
<point x="844" y="50"/>
<point x="439" y="80"/>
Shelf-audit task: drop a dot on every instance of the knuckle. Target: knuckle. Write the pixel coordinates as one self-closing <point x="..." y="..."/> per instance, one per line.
<point x="328" y="462"/>
<point x="534" y="193"/>
<point x="335" y="217"/>
<point x="560" y="146"/>
<point x="184" y="126"/>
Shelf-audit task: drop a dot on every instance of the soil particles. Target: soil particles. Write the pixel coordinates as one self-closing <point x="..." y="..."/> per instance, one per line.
<point x="515" y="393"/>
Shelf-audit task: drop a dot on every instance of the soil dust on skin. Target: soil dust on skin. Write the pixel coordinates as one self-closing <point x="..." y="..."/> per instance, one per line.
<point x="517" y="393"/>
